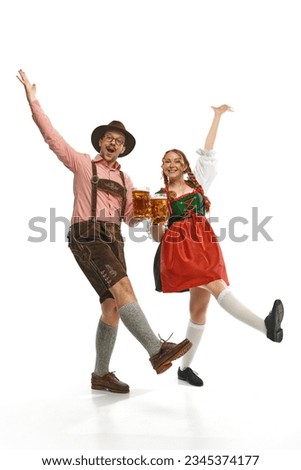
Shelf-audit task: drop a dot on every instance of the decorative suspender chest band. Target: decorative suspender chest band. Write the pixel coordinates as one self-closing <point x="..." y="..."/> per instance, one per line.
<point x="109" y="186"/>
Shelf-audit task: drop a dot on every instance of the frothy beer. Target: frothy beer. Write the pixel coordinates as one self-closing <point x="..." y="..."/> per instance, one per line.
<point x="141" y="202"/>
<point x="159" y="210"/>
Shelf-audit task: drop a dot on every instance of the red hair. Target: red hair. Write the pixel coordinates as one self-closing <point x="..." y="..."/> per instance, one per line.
<point x="191" y="177"/>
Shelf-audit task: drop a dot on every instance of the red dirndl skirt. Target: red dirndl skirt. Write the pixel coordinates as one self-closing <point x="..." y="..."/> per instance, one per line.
<point x="189" y="255"/>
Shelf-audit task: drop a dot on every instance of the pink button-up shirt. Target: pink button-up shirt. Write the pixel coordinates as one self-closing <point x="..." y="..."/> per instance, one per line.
<point x="108" y="205"/>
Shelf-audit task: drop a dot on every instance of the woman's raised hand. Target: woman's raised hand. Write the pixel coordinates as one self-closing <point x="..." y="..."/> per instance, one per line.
<point x="222" y="109"/>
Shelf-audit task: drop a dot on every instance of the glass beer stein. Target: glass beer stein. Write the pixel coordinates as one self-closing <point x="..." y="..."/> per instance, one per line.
<point x="158" y="208"/>
<point x="141" y="203"/>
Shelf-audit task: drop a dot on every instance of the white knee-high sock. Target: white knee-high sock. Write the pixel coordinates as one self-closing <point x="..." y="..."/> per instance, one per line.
<point x="232" y="305"/>
<point x="194" y="334"/>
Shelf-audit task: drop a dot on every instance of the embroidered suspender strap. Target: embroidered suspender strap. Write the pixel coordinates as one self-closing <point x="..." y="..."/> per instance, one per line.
<point x="109" y="186"/>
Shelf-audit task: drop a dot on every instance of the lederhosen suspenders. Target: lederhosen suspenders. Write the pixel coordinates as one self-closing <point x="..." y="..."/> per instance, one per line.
<point x="109" y="186"/>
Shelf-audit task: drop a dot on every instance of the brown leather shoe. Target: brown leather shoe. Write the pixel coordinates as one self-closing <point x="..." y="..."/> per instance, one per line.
<point x="169" y="352"/>
<point x="108" y="382"/>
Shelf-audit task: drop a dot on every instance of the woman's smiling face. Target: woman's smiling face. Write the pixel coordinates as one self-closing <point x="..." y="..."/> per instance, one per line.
<point x="173" y="165"/>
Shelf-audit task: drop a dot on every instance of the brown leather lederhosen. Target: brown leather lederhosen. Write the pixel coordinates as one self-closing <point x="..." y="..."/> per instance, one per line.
<point x="98" y="245"/>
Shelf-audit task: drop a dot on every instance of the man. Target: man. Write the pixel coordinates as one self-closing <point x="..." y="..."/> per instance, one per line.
<point x="102" y="199"/>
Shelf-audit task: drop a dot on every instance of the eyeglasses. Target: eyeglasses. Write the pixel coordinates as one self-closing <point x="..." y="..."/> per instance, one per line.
<point x="118" y="140"/>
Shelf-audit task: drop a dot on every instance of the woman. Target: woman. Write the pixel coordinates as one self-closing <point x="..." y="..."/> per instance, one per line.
<point x="189" y="256"/>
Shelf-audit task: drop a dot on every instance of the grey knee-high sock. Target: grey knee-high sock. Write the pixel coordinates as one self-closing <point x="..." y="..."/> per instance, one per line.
<point x="105" y="341"/>
<point x="233" y="306"/>
<point x="135" y="321"/>
<point x="194" y="334"/>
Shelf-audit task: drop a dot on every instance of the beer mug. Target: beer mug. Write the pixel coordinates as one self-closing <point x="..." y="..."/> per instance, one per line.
<point x="141" y="202"/>
<point x="158" y="208"/>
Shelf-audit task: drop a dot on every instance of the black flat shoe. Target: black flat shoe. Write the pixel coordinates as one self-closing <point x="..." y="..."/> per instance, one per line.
<point x="190" y="376"/>
<point x="273" y="322"/>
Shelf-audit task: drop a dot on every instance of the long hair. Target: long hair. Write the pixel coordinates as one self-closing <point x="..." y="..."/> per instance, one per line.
<point x="191" y="177"/>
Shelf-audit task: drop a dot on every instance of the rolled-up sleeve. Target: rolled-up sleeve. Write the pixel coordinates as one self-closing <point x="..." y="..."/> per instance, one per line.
<point x="205" y="168"/>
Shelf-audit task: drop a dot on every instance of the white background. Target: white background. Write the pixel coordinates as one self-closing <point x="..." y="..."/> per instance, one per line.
<point x="157" y="66"/>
